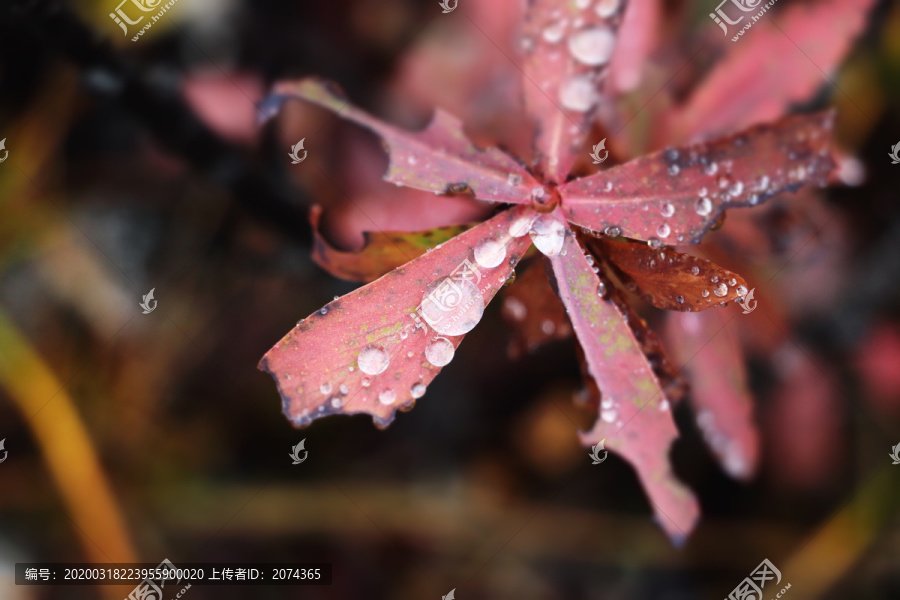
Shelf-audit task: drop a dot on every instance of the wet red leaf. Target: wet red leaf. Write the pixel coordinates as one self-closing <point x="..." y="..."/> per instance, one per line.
<point x="533" y="311"/>
<point x="706" y="347"/>
<point x="635" y="416"/>
<point x="439" y="159"/>
<point x="336" y="362"/>
<point x="678" y="194"/>
<point x="564" y="73"/>
<point x="382" y="252"/>
<point x="668" y="279"/>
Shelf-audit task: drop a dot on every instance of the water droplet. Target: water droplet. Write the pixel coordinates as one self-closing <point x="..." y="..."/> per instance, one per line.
<point x="323" y="310"/>
<point x="578" y="94"/>
<point x="352" y="368"/>
<point x="489" y="253"/>
<point x="704" y="293"/>
<point x="704" y="206"/>
<point x="742" y="290"/>
<point x="763" y="183"/>
<point x="667" y="209"/>
<point x="373" y="360"/>
<point x="537" y="192"/>
<point x="674" y="169"/>
<point x="548" y="327"/>
<point x="549" y="234"/>
<point x="366" y="382"/>
<point x="589" y="258"/>
<point x="695" y="270"/>
<point x="344" y="389"/>
<point x="663" y="230"/>
<point x="736" y="189"/>
<point x="593" y="46"/>
<point x="608" y="187"/>
<point x="514" y="179"/>
<point x="606" y="8"/>
<point x="652" y="263"/>
<point x="336" y="402"/>
<point x="521" y="225"/>
<point x="613" y="231"/>
<point x="679" y="299"/>
<point x="654" y="243"/>
<point x="409" y="354"/>
<point x="711" y="169"/>
<point x="602" y="290"/>
<point x="703" y="192"/>
<point x="387" y="397"/>
<point x="715" y="279"/>
<point x="404" y="334"/>
<point x="608" y="415"/>
<point x="721" y="290"/>
<point x="417" y="390"/>
<point x="439" y="352"/>
<point x="732" y="282"/>
<point x="452" y="306"/>
<point x="553" y="33"/>
<point x="325" y="388"/>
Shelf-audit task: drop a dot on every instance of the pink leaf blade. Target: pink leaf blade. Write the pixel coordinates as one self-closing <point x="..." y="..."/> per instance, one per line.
<point x="781" y="61"/>
<point x="568" y="47"/>
<point x="376" y="349"/>
<point x="704" y="346"/>
<point x="635" y="417"/>
<point x="439" y="159"/>
<point x="679" y="193"/>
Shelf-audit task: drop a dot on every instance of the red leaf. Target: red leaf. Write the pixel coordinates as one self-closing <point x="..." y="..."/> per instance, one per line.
<point x="533" y="312"/>
<point x="439" y="159"/>
<point x="568" y="46"/>
<point x="337" y="362"/>
<point x="382" y="252"/>
<point x="671" y="280"/>
<point x="708" y="350"/>
<point x="635" y="416"/>
<point x="781" y="61"/>
<point x="679" y="193"/>
<point x="637" y="39"/>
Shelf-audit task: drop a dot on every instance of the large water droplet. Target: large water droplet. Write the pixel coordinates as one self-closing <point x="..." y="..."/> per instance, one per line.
<point x="593" y="46"/>
<point x="417" y="390"/>
<point x="439" y="352"/>
<point x="387" y="397"/>
<point x="489" y="253"/>
<point x="522" y="224"/>
<point x="704" y="206"/>
<point x="721" y="290"/>
<point x="373" y="360"/>
<point x="578" y="94"/>
<point x="548" y="233"/>
<point x="453" y="306"/>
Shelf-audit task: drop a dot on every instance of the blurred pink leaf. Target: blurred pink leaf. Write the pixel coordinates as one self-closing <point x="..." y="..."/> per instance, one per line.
<point x="638" y="37"/>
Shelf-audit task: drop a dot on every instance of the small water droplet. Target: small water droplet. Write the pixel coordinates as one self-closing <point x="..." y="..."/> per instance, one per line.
<point x="417" y="390"/>
<point x="736" y="189"/>
<point x="439" y="352"/>
<point x="553" y="33"/>
<point x="608" y="415"/>
<point x="613" y="231"/>
<point x="344" y="389"/>
<point x="578" y="93"/>
<point x="549" y="234"/>
<point x="667" y="209"/>
<point x="325" y="388"/>
<point x="514" y="179"/>
<point x="537" y="192"/>
<point x="704" y="293"/>
<point x="742" y="290"/>
<point x="721" y="290"/>
<point x="695" y="270"/>
<point x="608" y="187"/>
<point x="404" y="334"/>
<point x="323" y="310"/>
<point x="703" y="207"/>
<point x="602" y="290"/>
<point x="663" y="230"/>
<point x="606" y="8"/>
<point x="703" y="192"/>
<point x="652" y="263"/>
<point x="715" y="279"/>
<point x="674" y="169"/>
<point x="366" y="383"/>
<point x="732" y="282"/>
<point x="711" y="168"/>
<point x="336" y="402"/>
<point x="679" y="299"/>
<point x="373" y="360"/>
<point x="387" y="397"/>
<point x="654" y="243"/>
<point x="593" y="46"/>
<point x="489" y="253"/>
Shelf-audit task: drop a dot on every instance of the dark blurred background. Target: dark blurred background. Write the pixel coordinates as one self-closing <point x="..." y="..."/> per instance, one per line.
<point x="133" y="437"/>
